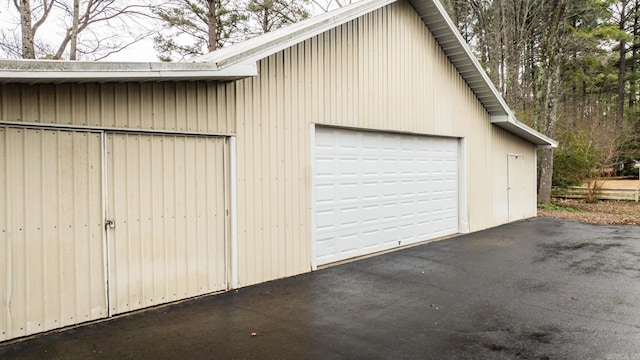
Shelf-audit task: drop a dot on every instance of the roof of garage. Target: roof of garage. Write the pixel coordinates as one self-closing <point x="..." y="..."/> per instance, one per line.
<point x="435" y="18"/>
<point x="239" y="61"/>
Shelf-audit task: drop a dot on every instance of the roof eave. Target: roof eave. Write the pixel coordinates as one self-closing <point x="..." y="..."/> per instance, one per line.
<point x="39" y="72"/>
<point x="513" y="126"/>
<point x="459" y="53"/>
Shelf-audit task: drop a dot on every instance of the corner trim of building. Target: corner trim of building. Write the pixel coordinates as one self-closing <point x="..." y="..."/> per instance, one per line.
<point x="463" y="201"/>
<point x="312" y="207"/>
<point x="233" y="189"/>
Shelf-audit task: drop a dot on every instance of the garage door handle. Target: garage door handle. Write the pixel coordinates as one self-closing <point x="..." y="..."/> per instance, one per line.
<point x="109" y="224"/>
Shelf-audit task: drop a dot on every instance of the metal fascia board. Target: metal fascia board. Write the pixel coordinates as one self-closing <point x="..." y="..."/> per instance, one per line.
<point x="514" y="126"/>
<point x="443" y="29"/>
<point x="460" y="54"/>
<point x="45" y="72"/>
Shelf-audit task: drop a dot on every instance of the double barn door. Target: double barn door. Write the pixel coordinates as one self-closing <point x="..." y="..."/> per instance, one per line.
<point x="97" y="223"/>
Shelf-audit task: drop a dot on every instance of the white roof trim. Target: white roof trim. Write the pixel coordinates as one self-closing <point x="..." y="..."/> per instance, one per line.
<point x="451" y="41"/>
<point x="47" y="71"/>
<point x="514" y="126"/>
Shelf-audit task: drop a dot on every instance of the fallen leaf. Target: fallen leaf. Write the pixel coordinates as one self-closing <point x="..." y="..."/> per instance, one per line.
<point x="608" y="212"/>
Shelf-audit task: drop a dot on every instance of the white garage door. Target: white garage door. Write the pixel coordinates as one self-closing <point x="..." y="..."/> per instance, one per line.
<point x="376" y="191"/>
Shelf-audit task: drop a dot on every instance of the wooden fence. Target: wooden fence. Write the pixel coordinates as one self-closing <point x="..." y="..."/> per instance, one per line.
<point x="601" y="194"/>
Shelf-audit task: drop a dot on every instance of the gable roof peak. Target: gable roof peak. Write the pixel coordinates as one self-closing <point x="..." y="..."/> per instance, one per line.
<point x="434" y="17"/>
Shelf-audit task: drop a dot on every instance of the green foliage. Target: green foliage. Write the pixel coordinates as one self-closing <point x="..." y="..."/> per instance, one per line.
<point x="188" y="26"/>
<point x="268" y="15"/>
<point x="611" y="32"/>
<point x="556" y="207"/>
<point x="592" y="106"/>
<point x="575" y="160"/>
<point x="196" y="27"/>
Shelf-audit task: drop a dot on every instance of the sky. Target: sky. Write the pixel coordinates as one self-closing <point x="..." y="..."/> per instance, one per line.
<point x="53" y="29"/>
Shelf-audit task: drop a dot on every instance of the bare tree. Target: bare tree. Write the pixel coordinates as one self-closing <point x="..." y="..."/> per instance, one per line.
<point x="91" y="29"/>
<point x="551" y="47"/>
<point x="328" y="5"/>
<point x="31" y="19"/>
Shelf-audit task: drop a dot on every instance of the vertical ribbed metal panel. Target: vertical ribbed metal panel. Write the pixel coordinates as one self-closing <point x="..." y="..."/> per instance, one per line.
<point x="273" y="228"/>
<point x="382" y="71"/>
<point x="473" y="123"/>
<point x="183" y="106"/>
<point x="515" y="171"/>
<point x="167" y="199"/>
<point x="51" y="238"/>
<point x="6" y="331"/>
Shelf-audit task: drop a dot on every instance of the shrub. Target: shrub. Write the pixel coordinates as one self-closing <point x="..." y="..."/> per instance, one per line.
<point x="575" y="160"/>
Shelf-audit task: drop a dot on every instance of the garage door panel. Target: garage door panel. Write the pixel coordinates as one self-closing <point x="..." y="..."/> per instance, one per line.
<point x="394" y="188"/>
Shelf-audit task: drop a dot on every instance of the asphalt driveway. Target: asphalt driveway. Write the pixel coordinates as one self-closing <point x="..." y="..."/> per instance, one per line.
<point x="536" y="289"/>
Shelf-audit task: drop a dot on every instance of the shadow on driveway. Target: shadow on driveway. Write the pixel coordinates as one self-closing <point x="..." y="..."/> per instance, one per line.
<point x="536" y="289"/>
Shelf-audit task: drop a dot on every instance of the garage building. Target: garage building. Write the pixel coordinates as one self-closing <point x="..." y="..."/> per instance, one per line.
<point x="128" y="185"/>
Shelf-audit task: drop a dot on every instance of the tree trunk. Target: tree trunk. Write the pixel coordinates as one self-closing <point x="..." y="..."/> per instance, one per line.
<point x="28" y="50"/>
<point x="511" y="57"/>
<point x="545" y="158"/>
<point x="502" y="41"/>
<point x="73" y="51"/>
<point x="494" y="45"/>
<point x="634" y="56"/>
<point x="212" y="22"/>
<point x="549" y="117"/>
<point x="548" y="108"/>
<point x="623" y="68"/>
<point x="265" y="20"/>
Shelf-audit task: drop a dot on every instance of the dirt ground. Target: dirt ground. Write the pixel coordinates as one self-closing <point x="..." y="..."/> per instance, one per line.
<point x="609" y="212"/>
<point x="603" y="212"/>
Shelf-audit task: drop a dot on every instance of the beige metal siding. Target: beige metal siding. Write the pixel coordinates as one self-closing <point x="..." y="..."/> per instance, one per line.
<point x="372" y="73"/>
<point x="383" y="71"/>
<point x="51" y="237"/>
<point x="167" y="199"/>
<point x="182" y="106"/>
